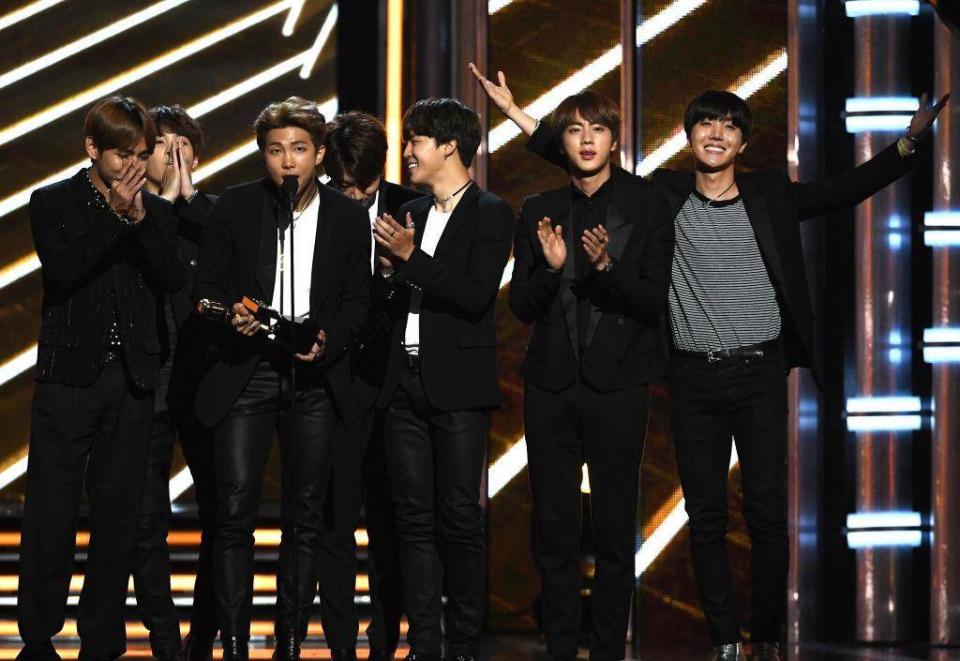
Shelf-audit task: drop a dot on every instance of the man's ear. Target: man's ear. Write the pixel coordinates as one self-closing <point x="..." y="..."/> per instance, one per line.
<point x="449" y="148"/>
<point x="91" y="148"/>
<point x="321" y="152"/>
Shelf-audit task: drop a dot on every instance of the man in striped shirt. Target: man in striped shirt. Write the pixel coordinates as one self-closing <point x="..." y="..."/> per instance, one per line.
<point x="741" y="318"/>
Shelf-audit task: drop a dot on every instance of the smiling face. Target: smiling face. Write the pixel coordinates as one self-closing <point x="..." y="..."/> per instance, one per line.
<point x="716" y="143"/>
<point x="425" y="159"/>
<point x="588" y="147"/>
<point x="290" y="151"/>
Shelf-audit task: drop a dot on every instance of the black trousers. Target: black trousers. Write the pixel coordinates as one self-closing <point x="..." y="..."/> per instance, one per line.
<point x="360" y="480"/>
<point x="606" y="431"/>
<point x="151" y="571"/>
<point x="745" y="399"/>
<point x="436" y="460"/>
<point x="242" y="442"/>
<point x="105" y="425"/>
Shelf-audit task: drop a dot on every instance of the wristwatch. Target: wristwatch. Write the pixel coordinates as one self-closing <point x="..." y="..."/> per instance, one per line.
<point x="607" y="267"/>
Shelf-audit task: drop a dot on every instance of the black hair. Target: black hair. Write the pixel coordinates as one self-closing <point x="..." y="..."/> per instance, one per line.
<point x="714" y="104"/>
<point x="174" y="119"/>
<point x="445" y="120"/>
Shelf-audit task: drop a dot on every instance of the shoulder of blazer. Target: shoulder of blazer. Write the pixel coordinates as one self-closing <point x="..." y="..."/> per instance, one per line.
<point x="395" y="195"/>
<point x="416" y="206"/>
<point x="72" y="187"/>
<point x="550" y="199"/>
<point x="486" y="199"/>
<point x="344" y="211"/>
<point x="673" y="179"/>
<point x="763" y="180"/>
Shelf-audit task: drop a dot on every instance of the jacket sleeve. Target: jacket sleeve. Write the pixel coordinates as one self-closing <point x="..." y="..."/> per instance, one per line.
<point x="192" y="216"/>
<point x="532" y="287"/>
<point x="644" y="290"/>
<point x="156" y="235"/>
<point x="355" y="295"/>
<point x="67" y="259"/>
<point x="472" y="289"/>
<point x="216" y="253"/>
<point x="853" y="186"/>
<point x="544" y="144"/>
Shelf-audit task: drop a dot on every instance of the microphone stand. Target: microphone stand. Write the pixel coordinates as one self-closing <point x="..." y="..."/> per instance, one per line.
<point x="291" y="201"/>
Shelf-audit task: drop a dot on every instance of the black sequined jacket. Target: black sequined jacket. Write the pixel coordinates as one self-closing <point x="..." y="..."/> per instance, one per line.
<point x="97" y="269"/>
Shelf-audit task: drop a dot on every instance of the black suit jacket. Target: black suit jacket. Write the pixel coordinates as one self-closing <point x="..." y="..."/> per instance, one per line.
<point x="369" y="360"/>
<point x="624" y="346"/>
<point x="238" y="258"/>
<point x="85" y="251"/>
<point x="458" y="340"/>
<point x="776" y="205"/>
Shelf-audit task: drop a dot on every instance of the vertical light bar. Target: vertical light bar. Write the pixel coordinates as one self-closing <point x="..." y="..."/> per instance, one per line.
<point x="394" y="88"/>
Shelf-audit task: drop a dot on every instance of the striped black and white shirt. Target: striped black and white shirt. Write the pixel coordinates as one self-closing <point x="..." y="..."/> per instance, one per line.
<point x="721" y="296"/>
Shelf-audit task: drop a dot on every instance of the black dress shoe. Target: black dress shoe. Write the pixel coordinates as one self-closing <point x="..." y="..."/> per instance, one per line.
<point x="234" y="649"/>
<point x="196" y="648"/>
<point x="765" y="652"/>
<point x="170" y="655"/>
<point x="728" y="652"/>
<point x="380" y="655"/>
<point x="288" y="648"/>
<point x="344" y="654"/>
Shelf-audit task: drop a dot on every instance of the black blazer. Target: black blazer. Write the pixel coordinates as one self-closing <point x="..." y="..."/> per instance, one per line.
<point x="238" y="258"/>
<point x="458" y="340"/>
<point x="85" y="251"/>
<point x="775" y="206"/>
<point x="369" y="361"/>
<point x="624" y="346"/>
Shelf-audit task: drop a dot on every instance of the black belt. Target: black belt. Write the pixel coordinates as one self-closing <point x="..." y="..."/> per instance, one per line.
<point x="758" y="350"/>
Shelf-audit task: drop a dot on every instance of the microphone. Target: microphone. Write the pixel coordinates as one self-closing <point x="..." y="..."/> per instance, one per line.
<point x="288" y="191"/>
<point x="289" y="187"/>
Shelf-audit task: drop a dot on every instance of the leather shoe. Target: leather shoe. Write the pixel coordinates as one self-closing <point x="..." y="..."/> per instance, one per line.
<point x="170" y="655"/>
<point x="765" y="652"/>
<point x="380" y="655"/>
<point x="234" y="649"/>
<point x="345" y="654"/>
<point x="196" y="648"/>
<point x="728" y="652"/>
<point x="288" y="648"/>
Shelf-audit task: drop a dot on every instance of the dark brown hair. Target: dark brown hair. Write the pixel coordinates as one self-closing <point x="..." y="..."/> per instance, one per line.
<point x="714" y="104"/>
<point x="294" y="111"/>
<point x="118" y="122"/>
<point x="445" y="120"/>
<point x="356" y="147"/>
<point x="593" y="107"/>
<point x="174" y="119"/>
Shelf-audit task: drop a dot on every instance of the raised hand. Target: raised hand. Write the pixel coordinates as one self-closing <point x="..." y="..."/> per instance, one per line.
<point x="124" y="194"/>
<point x="923" y="119"/>
<point x="595" y="242"/>
<point x="551" y="240"/>
<point x="394" y="237"/>
<point x="170" y="180"/>
<point x="186" y="172"/>
<point x="500" y="94"/>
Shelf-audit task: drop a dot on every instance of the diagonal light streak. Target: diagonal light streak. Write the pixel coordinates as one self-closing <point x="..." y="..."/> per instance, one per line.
<point x="139" y="72"/>
<point x="15" y="470"/>
<point x="496" y="5"/>
<point x="311" y="56"/>
<point x="23" y="266"/>
<point x="83" y="43"/>
<point x="594" y="71"/>
<point x="296" y="7"/>
<point x="18" y="364"/>
<point x="746" y="87"/>
<point x="25" y="12"/>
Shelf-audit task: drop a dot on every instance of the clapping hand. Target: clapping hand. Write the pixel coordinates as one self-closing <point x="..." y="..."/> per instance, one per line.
<point x="396" y="239"/>
<point x="551" y="240"/>
<point x="595" y="242"/>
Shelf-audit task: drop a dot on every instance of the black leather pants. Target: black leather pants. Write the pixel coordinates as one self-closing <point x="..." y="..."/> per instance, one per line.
<point x="242" y="442"/>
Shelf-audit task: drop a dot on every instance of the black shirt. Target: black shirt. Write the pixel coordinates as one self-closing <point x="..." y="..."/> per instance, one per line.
<point x="588" y="212"/>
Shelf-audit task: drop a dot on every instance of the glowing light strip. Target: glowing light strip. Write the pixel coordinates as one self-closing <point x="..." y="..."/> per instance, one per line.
<point x="137" y="73"/>
<point x="18" y="364"/>
<point x="941" y="219"/>
<point x="864" y="539"/>
<point x="310" y="58"/>
<point x="179" y="483"/>
<point x="882" y="104"/>
<point x="394" y="88"/>
<point x="883" y="405"/>
<point x="941" y="238"/>
<point x="25" y="12"/>
<point x="860" y="8"/>
<point x="507" y="274"/>
<point x="296" y="7"/>
<point x="870" y="423"/>
<point x="21" y="267"/>
<point x="83" y="43"/>
<point x="775" y="65"/>
<point x="506" y="467"/>
<point x="653" y="546"/>
<point x="935" y="355"/>
<point x="892" y="519"/>
<point x="941" y="335"/>
<point x="15" y="470"/>
<point x="496" y="5"/>
<point x="865" y="123"/>
<point x="592" y="72"/>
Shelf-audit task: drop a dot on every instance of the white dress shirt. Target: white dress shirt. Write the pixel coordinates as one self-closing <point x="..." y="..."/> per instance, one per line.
<point x="305" y="226"/>
<point x="372" y="212"/>
<point x="432" y="231"/>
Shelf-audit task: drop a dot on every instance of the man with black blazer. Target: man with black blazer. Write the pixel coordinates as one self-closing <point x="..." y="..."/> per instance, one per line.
<point x="247" y="393"/>
<point x="592" y="263"/>
<point x="441" y="277"/>
<point x="106" y="261"/>
<point x="169" y="174"/>
<point x="355" y="158"/>
<point x="740" y="319"/>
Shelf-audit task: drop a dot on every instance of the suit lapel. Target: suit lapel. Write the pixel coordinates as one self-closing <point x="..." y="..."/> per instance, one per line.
<point x="464" y="215"/>
<point x="619" y="230"/>
<point x="321" y="253"/>
<point x="759" y="215"/>
<point x="267" y="251"/>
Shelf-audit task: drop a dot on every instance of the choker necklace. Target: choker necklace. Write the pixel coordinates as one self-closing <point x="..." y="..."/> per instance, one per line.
<point x="443" y="202"/>
<point x="711" y="202"/>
